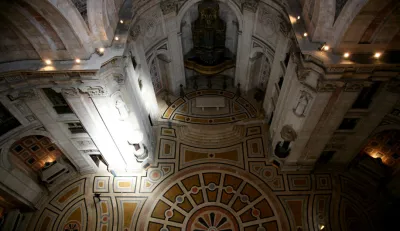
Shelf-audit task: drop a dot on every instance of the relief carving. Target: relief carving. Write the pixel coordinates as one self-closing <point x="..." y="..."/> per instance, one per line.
<point x="250" y="5"/>
<point x="168" y="6"/>
<point x="94" y="91"/>
<point x="302" y="104"/>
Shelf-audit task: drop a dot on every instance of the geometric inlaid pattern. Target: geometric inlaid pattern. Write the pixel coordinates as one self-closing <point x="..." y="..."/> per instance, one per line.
<point x="104" y="214"/>
<point x="168" y="132"/>
<point x="128" y="211"/>
<point x="167" y="149"/>
<point x="251" y="131"/>
<point x="296" y="209"/>
<point x="323" y="182"/>
<point x="68" y="194"/>
<point x="101" y="184"/>
<point x="155" y="176"/>
<point x="124" y="184"/>
<point x="224" y="201"/>
<point x="35" y="151"/>
<point x="47" y="220"/>
<point x="268" y="174"/>
<point x="75" y="218"/>
<point x="255" y="148"/>
<point x="299" y="182"/>
<point x="232" y="155"/>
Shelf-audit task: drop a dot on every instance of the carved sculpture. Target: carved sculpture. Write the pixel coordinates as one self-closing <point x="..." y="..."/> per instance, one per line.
<point x="122" y="109"/>
<point x="302" y="104"/>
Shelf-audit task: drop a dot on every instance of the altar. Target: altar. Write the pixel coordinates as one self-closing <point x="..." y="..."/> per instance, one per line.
<point x="210" y="101"/>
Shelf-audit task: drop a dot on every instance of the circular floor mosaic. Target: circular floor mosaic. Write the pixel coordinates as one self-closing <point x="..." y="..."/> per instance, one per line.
<point x="210" y="201"/>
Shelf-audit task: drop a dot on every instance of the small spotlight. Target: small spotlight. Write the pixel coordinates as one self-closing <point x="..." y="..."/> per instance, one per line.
<point x="321" y="227"/>
<point x="305" y="34"/>
<point x="298" y="17"/>
<point x="100" y="51"/>
<point x="77" y="61"/>
<point x="47" y="61"/>
<point x="346" y="55"/>
<point x="116" y="38"/>
<point x="121" y="21"/>
<point x="377" y="55"/>
<point x="326" y="48"/>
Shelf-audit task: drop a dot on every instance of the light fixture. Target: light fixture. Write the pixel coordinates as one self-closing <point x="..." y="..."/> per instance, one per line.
<point x="377" y="55"/>
<point x="305" y="34"/>
<point x="298" y="17"/>
<point x="100" y="51"/>
<point x="326" y="48"/>
<point x="116" y="38"/>
<point x="321" y="227"/>
<point x="47" y="61"/>
<point x="77" y="61"/>
<point x="121" y="21"/>
<point x="346" y="55"/>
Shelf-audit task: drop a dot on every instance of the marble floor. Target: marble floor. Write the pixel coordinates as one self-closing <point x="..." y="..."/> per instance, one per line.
<point x="208" y="175"/>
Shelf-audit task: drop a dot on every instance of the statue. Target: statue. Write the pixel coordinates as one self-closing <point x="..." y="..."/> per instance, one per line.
<point x="302" y="104"/>
<point x="122" y="109"/>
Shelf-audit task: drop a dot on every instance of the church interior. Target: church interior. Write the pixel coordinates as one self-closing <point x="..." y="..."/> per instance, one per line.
<point x="199" y="115"/>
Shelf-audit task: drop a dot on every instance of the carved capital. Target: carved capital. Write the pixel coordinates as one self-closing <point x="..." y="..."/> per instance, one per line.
<point x="250" y="5"/>
<point x="94" y="91"/>
<point x="135" y="31"/>
<point x="284" y="26"/>
<point x="355" y="86"/>
<point x="119" y="78"/>
<point x="168" y="6"/>
<point x="288" y="133"/>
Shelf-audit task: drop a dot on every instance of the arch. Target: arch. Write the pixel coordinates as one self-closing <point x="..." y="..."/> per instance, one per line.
<point x="344" y="20"/>
<point x="323" y="17"/>
<point x="5" y="149"/>
<point x="73" y="17"/>
<point x="96" y="18"/>
<point x="186" y="6"/>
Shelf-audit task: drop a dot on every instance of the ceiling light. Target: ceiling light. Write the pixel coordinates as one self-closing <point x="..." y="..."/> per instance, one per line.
<point x="121" y="21"/>
<point x="47" y="61"/>
<point x="101" y="50"/>
<point x="77" y="60"/>
<point x="116" y="38"/>
<point x="322" y="227"/>
<point x="298" y="17"/>
<point x="377" y="55"/>
<point x="346" y="55"/>
<point x="326" y="48"/>
<point x="305" y="34"/>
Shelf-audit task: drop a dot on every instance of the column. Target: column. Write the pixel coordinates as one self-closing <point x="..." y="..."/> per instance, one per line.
<point x="175" y="47"/>
<point x="83" y="163"/>
<point x="94" y="124"/>
<point x="244" y="47"/>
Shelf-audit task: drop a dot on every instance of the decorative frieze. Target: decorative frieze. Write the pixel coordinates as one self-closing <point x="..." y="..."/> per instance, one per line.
<point x="354" y="86"/>
<point x="70" y="92"/>
<point x="22" y="94"/>
<point x="329" y="86"/>
<point x="94" y="91"/>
